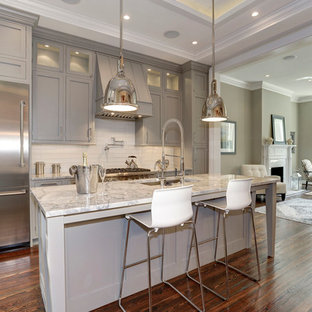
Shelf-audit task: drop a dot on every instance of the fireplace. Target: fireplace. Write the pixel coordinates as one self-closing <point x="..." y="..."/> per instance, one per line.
<point x="278" y="171"/>
<point x="278" y="161"/>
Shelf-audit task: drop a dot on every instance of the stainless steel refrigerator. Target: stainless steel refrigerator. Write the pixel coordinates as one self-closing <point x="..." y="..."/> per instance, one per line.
<point x="14" y="159"/>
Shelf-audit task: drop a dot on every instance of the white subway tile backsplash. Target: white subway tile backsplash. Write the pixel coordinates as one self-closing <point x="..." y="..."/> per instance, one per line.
<point x="67" y="155"/>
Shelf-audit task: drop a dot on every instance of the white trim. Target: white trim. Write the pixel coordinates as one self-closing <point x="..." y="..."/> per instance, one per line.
<point x="234" y="82"/>
<point x="302" y="99"/>
<point x="262" y="85"/>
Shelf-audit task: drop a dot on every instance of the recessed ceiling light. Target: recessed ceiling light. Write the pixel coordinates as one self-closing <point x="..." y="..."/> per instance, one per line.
<point x="171" y="34"/>
<point x="46" y="46"/>
<point x="194" y="42"/>
<point x="289" y="57"/>
<point x="255" y="13"/>
<point x="267" y="76"/>
<point x="310" y="80"/>
<point x="76" y="52"/>
<point x="126" y="17"/>
<point x="71" y="1"/>
<point x="168" y="74"/>
<point x="148" y="69"/>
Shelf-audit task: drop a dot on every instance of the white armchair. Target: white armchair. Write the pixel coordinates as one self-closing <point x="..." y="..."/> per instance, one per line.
<point x="307" y="171"/>
<point x="260" y="171"/>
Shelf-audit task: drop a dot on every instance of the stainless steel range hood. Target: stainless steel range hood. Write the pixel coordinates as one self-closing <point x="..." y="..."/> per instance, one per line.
<point x="106" y="69"/>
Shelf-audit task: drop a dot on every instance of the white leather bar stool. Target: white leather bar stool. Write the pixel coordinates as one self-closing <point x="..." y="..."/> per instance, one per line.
<point x="170" y="207"/>
<point x="237" y="198"/>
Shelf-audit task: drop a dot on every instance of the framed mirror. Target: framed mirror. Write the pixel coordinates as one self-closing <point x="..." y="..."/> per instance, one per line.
<point x="278" y="129"/>
<point x="228" y="137"/>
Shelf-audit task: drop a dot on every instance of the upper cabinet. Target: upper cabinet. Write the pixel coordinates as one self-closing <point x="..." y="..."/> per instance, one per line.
<point x="63" y="94"/>
<point x="48" y="56"/>
<point x="79" y="62"/>
<point x="166" y="104"/>
<point x="15" y="52"/>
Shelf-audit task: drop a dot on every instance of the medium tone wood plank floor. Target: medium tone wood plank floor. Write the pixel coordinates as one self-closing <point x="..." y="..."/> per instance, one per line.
<point x="286" y="283"/>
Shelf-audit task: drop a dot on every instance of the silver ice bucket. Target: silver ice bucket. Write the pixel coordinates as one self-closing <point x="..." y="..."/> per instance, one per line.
<point x="86" y="178"/>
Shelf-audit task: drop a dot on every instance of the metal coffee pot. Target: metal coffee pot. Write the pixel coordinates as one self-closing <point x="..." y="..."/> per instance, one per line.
<point x="86" y="178"/>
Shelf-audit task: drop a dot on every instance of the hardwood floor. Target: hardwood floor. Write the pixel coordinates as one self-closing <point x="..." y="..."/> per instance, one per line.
<point x="286" y="283"/>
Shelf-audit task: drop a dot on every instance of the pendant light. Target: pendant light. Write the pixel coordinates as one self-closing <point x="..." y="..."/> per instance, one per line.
<point x="120" y="95"/>
<point x="213" y="109"/>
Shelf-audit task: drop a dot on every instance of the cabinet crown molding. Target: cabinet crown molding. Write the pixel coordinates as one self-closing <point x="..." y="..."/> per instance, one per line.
<point x="18" y="16"/>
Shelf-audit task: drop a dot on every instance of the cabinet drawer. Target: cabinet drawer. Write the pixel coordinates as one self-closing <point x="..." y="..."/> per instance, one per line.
<point x="12" y="69"/>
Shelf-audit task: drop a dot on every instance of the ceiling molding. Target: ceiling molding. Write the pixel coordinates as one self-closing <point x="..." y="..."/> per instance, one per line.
<point x="18" y="16"/>
<point x="302" y="99"/>
<point x="293" y="8"/>
<point x="270" y="87"/>
<point x="234" y="82"/>
<point x="191" y="65"/>
<point x="257" y="85"/>
<point x="264" y="49"/>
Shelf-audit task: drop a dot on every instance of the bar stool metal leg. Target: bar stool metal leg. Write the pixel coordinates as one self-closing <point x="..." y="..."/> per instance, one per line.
<point x="124" y="267"/>
<point x="217" y="237"/>
<point x="149" y="271"/>
<point x="162" y="255"/>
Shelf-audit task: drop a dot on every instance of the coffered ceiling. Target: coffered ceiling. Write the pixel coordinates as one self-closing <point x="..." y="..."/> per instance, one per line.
<point x="236" y="30"/>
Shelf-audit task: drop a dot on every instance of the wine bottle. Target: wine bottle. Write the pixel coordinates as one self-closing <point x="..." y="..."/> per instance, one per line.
<point x="84" y="159"/>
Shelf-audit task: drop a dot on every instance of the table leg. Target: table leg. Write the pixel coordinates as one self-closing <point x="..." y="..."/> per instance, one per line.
<point x="270" y="199"/>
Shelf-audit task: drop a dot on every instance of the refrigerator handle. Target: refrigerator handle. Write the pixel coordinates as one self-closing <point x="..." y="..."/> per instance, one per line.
<point x="22" y="104"/>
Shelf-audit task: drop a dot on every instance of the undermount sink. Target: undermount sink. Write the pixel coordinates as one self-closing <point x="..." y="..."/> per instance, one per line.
<point x="168" y="181"/>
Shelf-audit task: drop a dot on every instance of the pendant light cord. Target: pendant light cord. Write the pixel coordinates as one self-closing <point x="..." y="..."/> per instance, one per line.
<point x="121" y="65"/>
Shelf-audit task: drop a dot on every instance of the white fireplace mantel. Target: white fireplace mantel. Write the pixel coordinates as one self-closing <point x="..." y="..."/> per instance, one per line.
<point x="279" y="155"/>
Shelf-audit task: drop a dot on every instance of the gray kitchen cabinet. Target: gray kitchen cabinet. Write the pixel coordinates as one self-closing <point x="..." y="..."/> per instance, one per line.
<point x="48" y="107"/>
<point x="62" y="94"/>
<point x="79" y="113"/>
<point x="166" y="104"/>
<point x="80" y="62"/>
<point x="15" y="52"/>
<point x="172" y="108"/>
<point x="148" y="130"/>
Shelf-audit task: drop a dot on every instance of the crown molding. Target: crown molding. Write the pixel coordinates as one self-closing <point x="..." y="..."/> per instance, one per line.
<point x="234" y="82"/>
<point x="191" y="65"/>
<point x="18" y="16"/>
<point x="302" y="99"/>
<point x="283" y="91"/>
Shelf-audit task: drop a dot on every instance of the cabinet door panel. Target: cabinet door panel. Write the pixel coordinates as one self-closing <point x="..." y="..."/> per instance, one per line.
<point x="78" y="109"/>
<point x="200" y="128"/>
<point x="200" y="160"/>
<point x="13" y="40"/>
<point x="172" y="109"/>
<point x="153" y="124"/>
<point x="48" y="106"/>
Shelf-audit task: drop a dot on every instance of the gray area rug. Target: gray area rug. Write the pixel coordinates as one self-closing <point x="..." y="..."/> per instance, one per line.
<point x="296" y="209"/>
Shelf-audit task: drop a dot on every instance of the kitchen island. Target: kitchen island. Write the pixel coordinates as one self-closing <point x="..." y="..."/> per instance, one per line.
<point x="81" y="238"/>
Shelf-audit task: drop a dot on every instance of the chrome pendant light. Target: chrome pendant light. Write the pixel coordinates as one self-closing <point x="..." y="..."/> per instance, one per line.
<point x="120" y="95"/>
<point x="214" y="108"/>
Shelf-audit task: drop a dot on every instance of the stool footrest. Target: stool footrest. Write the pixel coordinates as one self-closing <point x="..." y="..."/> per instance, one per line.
<point x="141" y="261"/>
<point x="187" y="299"/>
<point x="206" y="241"/>
<point x="206" y="287"/>
<point x="239" y="271"/>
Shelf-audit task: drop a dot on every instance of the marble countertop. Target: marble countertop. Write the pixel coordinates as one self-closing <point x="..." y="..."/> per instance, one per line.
<point x="64" y="200"/>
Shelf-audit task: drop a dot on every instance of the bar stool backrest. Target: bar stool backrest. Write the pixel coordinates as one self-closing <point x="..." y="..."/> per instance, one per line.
<point x="171" y="207"/>
<point x="238" y="194"/>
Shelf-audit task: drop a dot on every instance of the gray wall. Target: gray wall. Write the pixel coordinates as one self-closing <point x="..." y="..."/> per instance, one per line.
<point x="304" y="132"/>
<point x="277" y="104"/>
<point x="252" y="112"/>
<point x="238" y="104"/>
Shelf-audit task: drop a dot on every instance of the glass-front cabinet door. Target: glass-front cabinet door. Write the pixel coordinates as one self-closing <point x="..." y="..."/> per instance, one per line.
<point x="79" y="62"/>
<point x="153" y="78"/>
<point x="49" y="56"/>
<point x="172" y="81"/>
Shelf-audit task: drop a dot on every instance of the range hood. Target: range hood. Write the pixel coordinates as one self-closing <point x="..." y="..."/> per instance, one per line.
<point x="106" y="69"/>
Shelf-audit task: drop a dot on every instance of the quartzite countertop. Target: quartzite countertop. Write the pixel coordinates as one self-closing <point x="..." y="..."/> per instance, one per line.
<point x="81" y="238"/>
<point x="64" y="199"/>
